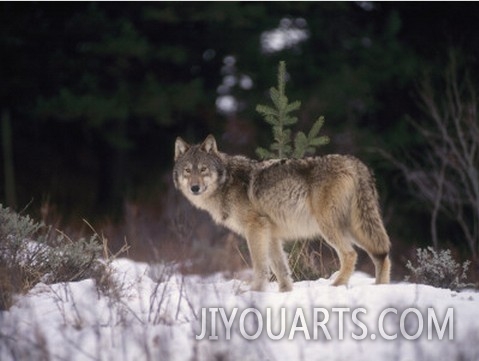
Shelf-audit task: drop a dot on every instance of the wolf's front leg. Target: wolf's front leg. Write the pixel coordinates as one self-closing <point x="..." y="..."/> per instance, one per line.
<point x="279" y="264"/>
<point x="257" y="239"/>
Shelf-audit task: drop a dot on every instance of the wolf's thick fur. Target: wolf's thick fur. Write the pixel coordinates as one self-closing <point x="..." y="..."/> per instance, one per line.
<point x="268" y="202"/>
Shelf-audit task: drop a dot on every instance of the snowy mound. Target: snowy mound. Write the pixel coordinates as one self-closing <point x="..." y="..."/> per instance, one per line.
<point x="159" y="314"/>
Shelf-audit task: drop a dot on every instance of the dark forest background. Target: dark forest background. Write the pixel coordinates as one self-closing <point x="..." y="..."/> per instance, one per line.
<point x="93" y="96"/>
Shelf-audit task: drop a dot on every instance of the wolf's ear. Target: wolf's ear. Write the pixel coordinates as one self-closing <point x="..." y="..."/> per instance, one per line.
<point x="181" y="147"/>
<point x="209" y="145"/>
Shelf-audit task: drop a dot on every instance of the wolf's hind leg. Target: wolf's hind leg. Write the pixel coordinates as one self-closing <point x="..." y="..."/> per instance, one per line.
<point x="377" y="245"/>
<point x="279" y="265"/>
<point x="382" y="265"/>
<point x="347" y="258"/>
<point x="344" y="248"/>
<point x="347" y="254"/>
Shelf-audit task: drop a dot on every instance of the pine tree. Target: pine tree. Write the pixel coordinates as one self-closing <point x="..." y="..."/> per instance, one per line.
<point x="280" y="119"/>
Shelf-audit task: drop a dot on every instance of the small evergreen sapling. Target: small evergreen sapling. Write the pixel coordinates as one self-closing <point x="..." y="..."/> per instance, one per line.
<point x="280" y="119"/>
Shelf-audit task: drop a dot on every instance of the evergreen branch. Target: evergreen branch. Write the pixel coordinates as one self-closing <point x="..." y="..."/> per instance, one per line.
<point x="266" y="110"/>
<point x="293" y="106"/>
<point x="316" y="127"/>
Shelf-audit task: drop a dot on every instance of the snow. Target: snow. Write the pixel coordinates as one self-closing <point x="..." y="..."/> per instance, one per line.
<point x="158" y="314"/>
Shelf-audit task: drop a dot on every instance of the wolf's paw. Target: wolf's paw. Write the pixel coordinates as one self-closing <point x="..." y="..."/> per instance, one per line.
<point x="258" y="286"/>
<point x="338" y="283"/>
<point x="339" y="280"/>
<point x="286" y="286"/>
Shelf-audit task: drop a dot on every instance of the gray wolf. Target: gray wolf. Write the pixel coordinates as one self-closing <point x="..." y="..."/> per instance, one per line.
<point x="268" y="202"/>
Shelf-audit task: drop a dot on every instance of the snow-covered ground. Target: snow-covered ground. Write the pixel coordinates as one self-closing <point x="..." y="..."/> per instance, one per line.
<point x="161" y="315"/>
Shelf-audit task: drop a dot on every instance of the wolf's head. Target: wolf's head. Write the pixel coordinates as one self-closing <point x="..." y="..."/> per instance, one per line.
<point x="198" y="170"/>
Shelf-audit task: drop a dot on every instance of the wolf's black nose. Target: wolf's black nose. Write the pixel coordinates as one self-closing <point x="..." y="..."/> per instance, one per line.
<point x="195" y="188"/>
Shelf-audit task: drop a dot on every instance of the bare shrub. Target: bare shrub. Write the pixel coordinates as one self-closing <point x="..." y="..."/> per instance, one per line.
<point x="446" y="175"/>
<point x="31" y="253"/>
<point x="437" y="269"/>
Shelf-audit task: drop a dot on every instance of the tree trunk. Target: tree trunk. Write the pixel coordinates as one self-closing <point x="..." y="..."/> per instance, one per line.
<point x="8" y="170"/>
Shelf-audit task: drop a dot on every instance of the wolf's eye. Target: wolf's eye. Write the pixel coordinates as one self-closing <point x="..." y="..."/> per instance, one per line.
<point x="203" y="169"/>
<point x="187" y="170"/>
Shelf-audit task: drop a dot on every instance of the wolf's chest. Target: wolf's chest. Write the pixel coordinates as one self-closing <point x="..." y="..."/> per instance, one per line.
<point x="229" y="217"/>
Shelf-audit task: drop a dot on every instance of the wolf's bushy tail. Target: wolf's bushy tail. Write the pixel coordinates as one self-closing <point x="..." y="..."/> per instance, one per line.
<point x="368" y="227"/>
